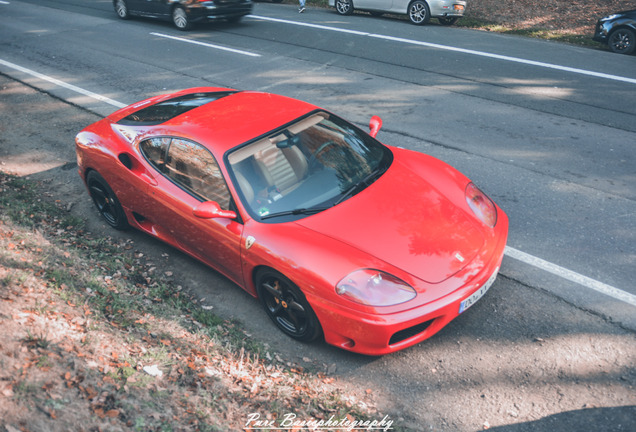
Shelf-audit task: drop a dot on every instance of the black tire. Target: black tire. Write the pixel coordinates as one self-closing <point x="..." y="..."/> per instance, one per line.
<point x="277" y="1"/>
<point x="344" y="7"/>
<point x="287" y="306"/>
<point x="106" y="201"/>
<point x="121" y="9"/>
<point x="419" y="13"/>
<point x="180" y="19"/>
<point x="447" y="21"/>
<point x="622" y="41"/>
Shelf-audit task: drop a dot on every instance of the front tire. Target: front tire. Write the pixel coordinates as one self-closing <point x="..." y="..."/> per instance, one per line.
<point x="344" y="7"/>
<point x="287" y="306"/>
<point x="180" y="19"/>
<point x="419" y="13"/>
<point x="622" y="41"/>
<point x="106" y="201"/>
<point x="121" y="9"/>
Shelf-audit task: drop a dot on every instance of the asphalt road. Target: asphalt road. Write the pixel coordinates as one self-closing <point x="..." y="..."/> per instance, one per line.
<point x="547" y="130"/>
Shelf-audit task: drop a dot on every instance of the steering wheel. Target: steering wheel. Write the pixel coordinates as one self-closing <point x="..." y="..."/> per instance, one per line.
<point x="314" y="159"/>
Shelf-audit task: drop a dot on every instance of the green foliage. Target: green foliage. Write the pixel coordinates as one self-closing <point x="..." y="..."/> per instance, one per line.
<point x="37" y="341"/>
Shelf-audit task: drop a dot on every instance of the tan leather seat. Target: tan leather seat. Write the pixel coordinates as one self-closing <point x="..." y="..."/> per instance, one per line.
<point x="285" y="170"/>
<point x="298" y="161"/>
<point x="244" y="185"/>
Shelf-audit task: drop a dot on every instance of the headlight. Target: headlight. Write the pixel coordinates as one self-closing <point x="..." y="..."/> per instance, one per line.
<point x="374" y="288"/>
<point x="481" y="205"/>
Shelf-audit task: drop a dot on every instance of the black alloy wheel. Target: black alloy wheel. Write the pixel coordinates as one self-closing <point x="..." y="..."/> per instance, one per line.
<point x="106" y="201"/>
<point x="286" y="305"/>
<point x="622" y="41"/>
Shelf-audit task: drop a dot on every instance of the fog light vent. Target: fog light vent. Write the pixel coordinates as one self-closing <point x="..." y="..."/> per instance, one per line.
<point x="407" y="333"/>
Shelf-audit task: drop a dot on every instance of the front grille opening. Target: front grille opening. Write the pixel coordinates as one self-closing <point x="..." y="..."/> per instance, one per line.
<point x="408" y="333"/>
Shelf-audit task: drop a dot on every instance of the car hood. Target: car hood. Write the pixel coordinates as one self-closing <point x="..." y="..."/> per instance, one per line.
<point x="407" y="223"/>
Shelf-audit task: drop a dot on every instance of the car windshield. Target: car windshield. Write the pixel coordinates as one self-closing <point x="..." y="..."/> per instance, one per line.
<point x="306" y="167"/>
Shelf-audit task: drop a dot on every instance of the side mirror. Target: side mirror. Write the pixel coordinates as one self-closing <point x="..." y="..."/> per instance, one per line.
<point x="210" y="210"/>
<point x="374" y="125"/>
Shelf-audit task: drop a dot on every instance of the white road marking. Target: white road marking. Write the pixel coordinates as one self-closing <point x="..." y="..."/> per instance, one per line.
<point x="511" y="252"/>
<point x="564" y="273"/>
<point x="451" y="48"/>
<point x="63" y="84"/>
<point x="196" y="42"/>
<point x="4" y="2"/>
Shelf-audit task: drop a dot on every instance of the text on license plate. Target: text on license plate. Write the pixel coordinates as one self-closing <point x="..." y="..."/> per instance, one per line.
<point x="479" y="293"/>
<point x="458" y="7"/>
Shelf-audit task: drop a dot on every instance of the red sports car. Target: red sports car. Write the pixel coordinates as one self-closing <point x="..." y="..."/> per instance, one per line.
<point x="374" y="247"/>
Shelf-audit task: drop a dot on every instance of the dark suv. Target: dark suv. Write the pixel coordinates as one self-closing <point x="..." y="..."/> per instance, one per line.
<point x="618" y="31"/>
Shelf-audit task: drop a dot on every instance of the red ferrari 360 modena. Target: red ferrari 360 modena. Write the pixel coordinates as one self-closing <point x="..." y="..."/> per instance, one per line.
<point x="374" y="247"/>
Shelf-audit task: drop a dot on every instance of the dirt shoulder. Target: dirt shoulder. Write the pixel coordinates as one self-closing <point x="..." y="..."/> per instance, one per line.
<point x="96" y="337"/>
<point x="567" y="16"/>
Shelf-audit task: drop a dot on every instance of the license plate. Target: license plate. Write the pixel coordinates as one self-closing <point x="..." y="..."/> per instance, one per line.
<point x="459" y="7"/>
<point x="479" y="293"/>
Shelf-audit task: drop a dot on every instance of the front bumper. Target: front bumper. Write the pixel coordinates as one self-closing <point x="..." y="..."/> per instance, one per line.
<point x="601" y="32"/>
<point x="379" y="334"/>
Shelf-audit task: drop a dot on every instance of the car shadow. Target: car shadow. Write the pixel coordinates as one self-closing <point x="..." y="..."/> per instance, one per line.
<point x="615" y="419"/>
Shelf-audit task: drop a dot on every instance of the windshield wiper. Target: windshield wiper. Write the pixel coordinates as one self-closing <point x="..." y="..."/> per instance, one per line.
<point x="360" y="186"/>
<point x="299" y="211"/>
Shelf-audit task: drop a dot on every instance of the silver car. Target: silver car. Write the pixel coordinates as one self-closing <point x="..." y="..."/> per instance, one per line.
<point x="418" y="11"/>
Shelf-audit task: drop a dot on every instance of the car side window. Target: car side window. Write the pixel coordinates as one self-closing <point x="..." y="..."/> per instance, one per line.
<point x="195" y="169"/>
<point x="154" y="150"/>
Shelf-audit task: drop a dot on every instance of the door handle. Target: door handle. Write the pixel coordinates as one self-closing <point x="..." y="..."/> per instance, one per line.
<point x="148" y="178"/>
